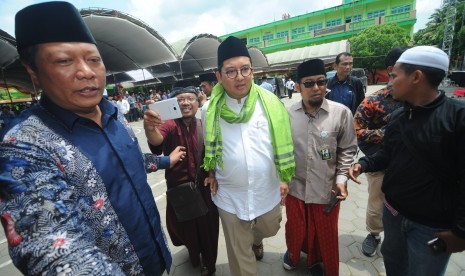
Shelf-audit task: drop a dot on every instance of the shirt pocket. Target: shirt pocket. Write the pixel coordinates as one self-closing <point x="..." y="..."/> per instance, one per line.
<point x="327" y="139"/>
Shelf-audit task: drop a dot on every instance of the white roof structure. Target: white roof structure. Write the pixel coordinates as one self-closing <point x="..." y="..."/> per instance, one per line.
<point x="327" y="52"/>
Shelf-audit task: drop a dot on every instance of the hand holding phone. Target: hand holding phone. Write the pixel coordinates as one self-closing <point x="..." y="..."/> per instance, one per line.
<point x="334" y="200"/>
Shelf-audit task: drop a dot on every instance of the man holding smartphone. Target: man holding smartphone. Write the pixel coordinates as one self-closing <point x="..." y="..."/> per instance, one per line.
<point x="423" y="154"/>
<point x="199" y="235"/>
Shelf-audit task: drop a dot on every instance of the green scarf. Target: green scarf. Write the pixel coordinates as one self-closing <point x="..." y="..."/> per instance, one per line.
<point x="278" y="120"/>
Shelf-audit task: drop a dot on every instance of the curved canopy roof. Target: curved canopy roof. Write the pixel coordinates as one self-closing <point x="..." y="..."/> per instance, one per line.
<point x="7" y="49"/>
<point x="133" y="46"/>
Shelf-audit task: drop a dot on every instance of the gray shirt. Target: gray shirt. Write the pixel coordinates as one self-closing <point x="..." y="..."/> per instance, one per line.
<point x="324" y="149"/>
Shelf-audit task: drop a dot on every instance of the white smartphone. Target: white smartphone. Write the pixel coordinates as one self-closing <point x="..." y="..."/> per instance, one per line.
<point x="168" y="109"/>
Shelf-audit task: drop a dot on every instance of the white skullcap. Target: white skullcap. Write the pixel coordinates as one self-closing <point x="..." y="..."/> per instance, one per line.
<point x="428" y="56"/>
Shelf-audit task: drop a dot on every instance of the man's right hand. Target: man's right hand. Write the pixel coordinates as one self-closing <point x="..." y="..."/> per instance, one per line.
<point x="152" y="121"/>
<point x="151" y="118"/>
<point x="354" y="171"/>
<point x="212" y="182"/>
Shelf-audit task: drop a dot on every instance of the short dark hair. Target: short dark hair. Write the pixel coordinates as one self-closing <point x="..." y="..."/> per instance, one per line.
<point x="394" y="55"/>
<point x="433" y="75"/>
<point x="28" y="55"/>
<point x="338" y="57"/>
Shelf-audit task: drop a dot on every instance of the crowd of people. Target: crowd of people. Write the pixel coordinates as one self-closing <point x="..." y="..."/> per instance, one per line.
<point x="74" y="191"/>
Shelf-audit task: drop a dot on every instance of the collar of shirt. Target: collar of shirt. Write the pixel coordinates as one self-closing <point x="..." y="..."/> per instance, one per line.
<point x="69" y="118"/>
<point x="234" y="105"/>
<point x="324" y="106"/>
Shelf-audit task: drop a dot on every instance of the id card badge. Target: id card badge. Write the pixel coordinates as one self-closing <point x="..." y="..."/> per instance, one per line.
<point x="325" y="153"/>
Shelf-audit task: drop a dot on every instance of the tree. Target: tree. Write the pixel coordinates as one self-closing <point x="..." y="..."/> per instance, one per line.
<point x="370" y="46"/>
<point x="433" y="33"/>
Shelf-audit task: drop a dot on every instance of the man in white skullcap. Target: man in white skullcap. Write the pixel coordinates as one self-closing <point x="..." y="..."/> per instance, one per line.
<point x="424" y="158"/>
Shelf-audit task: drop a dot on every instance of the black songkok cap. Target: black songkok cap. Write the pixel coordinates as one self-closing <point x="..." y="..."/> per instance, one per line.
<point x="311" y="67"/>
<point x="50" y="22"/>
<point x="231" y="47"/>
<point x="209" y="77"/>
<point x="183" y="86"/>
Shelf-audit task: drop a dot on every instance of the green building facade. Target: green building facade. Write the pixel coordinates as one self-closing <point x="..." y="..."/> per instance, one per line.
<point x="328" y="25"/>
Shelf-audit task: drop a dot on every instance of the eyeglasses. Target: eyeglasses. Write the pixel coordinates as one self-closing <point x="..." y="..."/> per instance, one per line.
<point x="188" y="99"/>
<point x="232" y="73"/>
<point x="309" y="84"/>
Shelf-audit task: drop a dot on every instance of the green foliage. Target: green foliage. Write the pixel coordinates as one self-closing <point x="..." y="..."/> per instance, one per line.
<point x="370" y="46"/>
<point x="433" y="33"/>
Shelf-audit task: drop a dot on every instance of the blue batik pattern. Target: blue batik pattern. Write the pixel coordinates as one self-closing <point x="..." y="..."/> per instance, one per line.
<point x="55" y="208"/>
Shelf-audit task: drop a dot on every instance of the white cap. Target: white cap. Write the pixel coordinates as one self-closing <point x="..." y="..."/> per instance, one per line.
<point x="428" y="56"/>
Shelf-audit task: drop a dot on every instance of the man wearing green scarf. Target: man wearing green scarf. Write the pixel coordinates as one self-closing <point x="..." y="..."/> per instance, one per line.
<point x="249" y="154"/>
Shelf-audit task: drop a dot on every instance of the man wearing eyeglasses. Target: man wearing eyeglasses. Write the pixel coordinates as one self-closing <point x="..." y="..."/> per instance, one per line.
<point x="344" y="88"/>
<point x="324" y="146"/>
<point x="249" y="154"/>
<point x="199" y="235"/>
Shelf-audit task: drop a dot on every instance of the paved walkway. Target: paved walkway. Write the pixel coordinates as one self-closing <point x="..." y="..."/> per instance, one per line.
<point x="351" y="234"/>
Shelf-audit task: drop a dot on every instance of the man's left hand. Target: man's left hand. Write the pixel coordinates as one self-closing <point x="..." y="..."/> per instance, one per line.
<point x="343" y="190"/>
<point x="284" y="189"/>
<point x="453" y="243"/>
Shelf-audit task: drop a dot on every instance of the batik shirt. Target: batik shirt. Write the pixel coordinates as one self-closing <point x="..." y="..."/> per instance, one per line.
<point x="371" y="118"/>
<point x="75" y="198"/>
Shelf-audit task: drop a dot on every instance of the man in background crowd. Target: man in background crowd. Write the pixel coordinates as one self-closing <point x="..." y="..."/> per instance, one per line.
<point x="345" y="89"/>
<point x="290" y="86"/>
<point x="266" y="85"/>
<point x="207" y="82"/>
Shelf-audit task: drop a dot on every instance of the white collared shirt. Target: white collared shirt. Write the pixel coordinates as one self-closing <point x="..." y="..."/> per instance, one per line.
<point x="249" y="184"/>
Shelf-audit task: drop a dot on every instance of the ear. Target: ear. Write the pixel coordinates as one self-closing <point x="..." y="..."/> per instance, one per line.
<point x="389" y="69"/>
<point x="297" y="87"/>
<point x="218" y="76"/>
<point x="334" y="66"/>
<point x="32" y="73"/>
<point x="417" y="76"/>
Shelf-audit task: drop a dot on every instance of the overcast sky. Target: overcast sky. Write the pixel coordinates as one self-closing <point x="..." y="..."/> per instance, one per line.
<point x="175" y="19"/>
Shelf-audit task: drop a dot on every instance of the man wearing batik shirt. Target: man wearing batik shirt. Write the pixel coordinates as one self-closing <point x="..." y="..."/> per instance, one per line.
<point x="370" y="120"/>
<point x="74" y="192"/>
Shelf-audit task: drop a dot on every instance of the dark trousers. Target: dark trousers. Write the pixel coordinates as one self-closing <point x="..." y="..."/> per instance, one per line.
<point x="289" y="93"/>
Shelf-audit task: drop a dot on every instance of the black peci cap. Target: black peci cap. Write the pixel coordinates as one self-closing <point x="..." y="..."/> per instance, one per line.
<point x="50" y="22"/>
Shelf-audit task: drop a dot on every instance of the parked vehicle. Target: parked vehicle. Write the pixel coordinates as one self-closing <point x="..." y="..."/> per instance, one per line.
<point x="360" y="73"/>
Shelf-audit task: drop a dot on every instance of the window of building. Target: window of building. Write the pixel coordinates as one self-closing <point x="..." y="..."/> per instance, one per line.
<point x="377" y="13"/>
<point x="401" y="9"/>
<point x="354" y="18"/>
<point x="298" y="30"/>
<point x="268" y="36"/>
<point x="254" y="40"/>
<point x="333" y="23"/>
<point x="316" y="26"/>
<point x="282" y="34"/>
